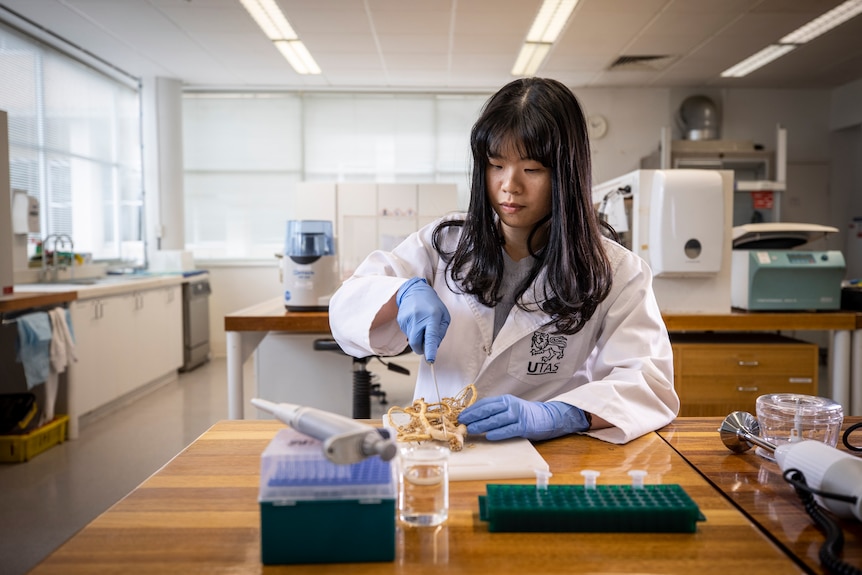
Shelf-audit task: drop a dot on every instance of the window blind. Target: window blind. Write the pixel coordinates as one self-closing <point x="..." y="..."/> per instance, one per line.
<point x="75" y="144"/>
<point x="244" y="154"/>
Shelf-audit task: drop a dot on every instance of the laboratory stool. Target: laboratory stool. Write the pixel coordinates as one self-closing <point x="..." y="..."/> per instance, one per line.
<point x="363" y="389"/>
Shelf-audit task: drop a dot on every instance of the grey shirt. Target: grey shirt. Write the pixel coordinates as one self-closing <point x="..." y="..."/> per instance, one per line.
<point x="513" y="274"/>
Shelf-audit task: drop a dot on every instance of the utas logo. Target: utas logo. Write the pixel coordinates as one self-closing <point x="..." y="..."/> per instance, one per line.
<point x="550" y="349"/>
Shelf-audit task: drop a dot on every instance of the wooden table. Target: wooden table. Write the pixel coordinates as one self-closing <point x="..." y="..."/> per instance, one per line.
<point x="199" y="514"/>
<point x="755" y="485"/>
<point x="25" y="300"/>
<point x="246" y="328"/>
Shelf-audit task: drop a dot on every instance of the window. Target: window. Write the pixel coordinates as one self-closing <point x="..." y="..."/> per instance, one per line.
<point x="75" y="145"/>
<point x="244" y="154"/>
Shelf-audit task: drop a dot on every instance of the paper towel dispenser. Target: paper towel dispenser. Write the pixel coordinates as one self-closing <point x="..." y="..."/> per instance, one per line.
<point x="686" y="227"/>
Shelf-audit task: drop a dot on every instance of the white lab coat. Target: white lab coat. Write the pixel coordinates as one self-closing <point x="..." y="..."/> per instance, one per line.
<point x="618" y="367"/>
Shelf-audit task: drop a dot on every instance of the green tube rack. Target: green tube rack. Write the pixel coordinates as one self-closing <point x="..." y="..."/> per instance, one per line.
<point x="575" y="508"/>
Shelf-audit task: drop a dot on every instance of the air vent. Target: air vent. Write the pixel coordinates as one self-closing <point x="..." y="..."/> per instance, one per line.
<point x="642" y="62"/>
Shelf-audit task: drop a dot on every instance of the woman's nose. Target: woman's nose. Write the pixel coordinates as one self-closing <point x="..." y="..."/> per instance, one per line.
<point x="510" y="181"/>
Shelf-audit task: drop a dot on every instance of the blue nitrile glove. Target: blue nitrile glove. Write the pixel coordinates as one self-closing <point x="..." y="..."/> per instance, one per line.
<point x="423" y="318"/>
<point x="508" y="416"/>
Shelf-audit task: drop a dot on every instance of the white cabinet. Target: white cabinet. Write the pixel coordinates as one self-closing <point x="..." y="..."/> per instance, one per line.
<point x="125" y="341"/>
<point x="96" y="323"/>
<point x="153" y="336"/>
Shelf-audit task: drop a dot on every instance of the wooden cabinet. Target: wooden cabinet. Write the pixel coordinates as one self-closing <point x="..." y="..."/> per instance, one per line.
<point x="715" y="374"/>
<point x="124" y="342"/>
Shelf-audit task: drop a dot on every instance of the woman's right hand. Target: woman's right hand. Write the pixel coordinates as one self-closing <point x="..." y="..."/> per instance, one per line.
<point x="422" y="316"/>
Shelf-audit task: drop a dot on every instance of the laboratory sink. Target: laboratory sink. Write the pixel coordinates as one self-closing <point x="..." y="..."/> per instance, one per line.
<point x="109" y="279"/>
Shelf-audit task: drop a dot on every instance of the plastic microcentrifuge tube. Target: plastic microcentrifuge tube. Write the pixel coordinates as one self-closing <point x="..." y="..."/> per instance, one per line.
<point x="590" y="478"/>
<point x="542" y="476"/>
<point x="637" y="476"/>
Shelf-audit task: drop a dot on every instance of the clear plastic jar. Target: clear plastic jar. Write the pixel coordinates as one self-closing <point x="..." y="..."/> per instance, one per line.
<point x="785" y="417"/>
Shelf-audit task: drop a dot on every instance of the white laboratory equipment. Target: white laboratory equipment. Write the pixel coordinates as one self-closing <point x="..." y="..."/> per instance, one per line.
<point x="681" y="226"/>
<point x="309" y="265"/>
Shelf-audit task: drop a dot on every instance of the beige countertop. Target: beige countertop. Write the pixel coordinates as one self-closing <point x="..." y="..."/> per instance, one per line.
<point x="106" y="286"/>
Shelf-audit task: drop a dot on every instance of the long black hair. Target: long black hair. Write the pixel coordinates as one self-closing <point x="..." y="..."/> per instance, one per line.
<point x="546" y="122"/>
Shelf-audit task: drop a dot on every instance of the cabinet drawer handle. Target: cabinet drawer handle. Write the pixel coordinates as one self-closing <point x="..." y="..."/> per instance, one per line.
<point x="753" y="363"/>
<point x="800" y="380"/>
<point x="744" y="388"/>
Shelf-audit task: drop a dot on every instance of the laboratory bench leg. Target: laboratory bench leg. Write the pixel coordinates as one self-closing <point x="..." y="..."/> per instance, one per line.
<point x="240" y="346"/>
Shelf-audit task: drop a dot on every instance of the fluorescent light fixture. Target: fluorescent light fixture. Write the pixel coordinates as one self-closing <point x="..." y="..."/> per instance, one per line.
<point x="801" y="35"/>
<point x="550" y="20"/>
<point x="530" y="57"/>
<point x="297" y="54"/>
<point x="269" y="17"/>
<point x="758" y="60"/>
<point x="824" y="23"/>
<point x="546" y="28"/>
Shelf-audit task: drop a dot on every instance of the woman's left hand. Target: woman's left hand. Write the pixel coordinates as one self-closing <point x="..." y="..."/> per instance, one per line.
<point x="506" y="416"/>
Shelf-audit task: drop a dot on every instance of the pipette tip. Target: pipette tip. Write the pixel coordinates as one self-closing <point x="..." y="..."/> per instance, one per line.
<point x="542" y="477"/>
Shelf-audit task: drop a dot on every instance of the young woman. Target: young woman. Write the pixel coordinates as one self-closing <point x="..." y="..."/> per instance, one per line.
<point x="556" y="325"/>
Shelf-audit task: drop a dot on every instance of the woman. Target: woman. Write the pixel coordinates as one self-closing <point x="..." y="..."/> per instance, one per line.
<point x="556" y="325"/>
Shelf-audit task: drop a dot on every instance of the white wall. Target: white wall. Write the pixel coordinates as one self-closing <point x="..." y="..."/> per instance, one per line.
<point x="635" y="119"/>
<point x="234" y="287"/>
<point x="845" y="110"/>
<point x="163" y="164"/>
<point x="636" y="116"/>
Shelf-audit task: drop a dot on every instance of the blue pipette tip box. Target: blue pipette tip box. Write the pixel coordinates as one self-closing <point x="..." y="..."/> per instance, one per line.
<point x="316" y="511"/>
<point x="574" y="508"/>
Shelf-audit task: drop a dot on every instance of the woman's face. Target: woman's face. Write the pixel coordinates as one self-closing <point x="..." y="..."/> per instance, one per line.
<point x="519" y="190"/>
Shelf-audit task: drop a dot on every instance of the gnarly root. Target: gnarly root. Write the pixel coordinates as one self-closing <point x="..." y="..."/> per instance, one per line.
<point x="434" y="421"/>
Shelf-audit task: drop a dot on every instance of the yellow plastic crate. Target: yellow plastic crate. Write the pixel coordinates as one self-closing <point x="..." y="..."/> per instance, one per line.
<point x="18" y="448"/>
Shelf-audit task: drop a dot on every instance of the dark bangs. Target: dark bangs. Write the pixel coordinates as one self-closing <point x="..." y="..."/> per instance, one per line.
<point x="534" y="137"/>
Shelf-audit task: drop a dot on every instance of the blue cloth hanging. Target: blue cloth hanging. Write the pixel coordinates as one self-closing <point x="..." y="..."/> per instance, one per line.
<point x="34" y="346"/>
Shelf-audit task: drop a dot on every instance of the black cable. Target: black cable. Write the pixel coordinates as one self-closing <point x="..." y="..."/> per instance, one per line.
<point x="846" y="437"/>
<point x="830" y="551"/>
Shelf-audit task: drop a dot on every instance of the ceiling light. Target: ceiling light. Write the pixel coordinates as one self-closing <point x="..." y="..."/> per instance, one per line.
<point x="297" y="54"/>
<point x="754" y="62"/>
<point x="550" y="20"/>
<point x="530" y="57"/>
<point x="546" y="28"/>
<point x="801" y="35"/>
<point x="269" y="17"/>
<point x="824" y="23"/>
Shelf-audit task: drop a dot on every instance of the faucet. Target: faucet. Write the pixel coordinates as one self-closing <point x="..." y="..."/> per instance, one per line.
<point x="63" y="239"/>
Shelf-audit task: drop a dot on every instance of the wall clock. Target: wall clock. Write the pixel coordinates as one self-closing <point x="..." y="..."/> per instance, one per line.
<point x="597" y="126"/>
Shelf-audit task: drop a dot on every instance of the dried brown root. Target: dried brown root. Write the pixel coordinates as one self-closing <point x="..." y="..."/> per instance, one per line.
<point x="434" y="421"/>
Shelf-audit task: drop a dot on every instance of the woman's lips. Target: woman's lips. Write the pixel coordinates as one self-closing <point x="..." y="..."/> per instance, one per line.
<point x="510" y="208"/>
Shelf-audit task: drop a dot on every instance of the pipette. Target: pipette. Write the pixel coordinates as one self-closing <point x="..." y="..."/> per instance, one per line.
<point x="344" y="440"/>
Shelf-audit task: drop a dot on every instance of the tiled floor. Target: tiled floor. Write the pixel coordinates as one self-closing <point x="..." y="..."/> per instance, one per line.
<point x="48" y="499"/>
